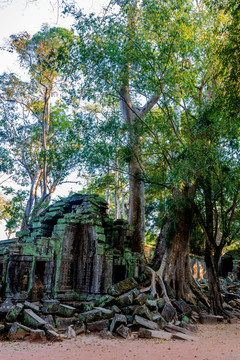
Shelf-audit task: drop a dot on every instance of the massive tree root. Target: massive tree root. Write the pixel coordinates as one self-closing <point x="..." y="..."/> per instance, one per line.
<point x="160" y="282"/>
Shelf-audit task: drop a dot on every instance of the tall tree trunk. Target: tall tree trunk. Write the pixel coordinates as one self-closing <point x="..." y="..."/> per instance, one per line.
<point x="133" y="116"/>
<point x="212" y="250"/>
<point x="123" y="206"/>
<point x="45" y="128"/>
<point x="172" y="250"/>
<point x="216" y="305"/>
<point x="116" y="195"/>
<point x="108" y="198"/>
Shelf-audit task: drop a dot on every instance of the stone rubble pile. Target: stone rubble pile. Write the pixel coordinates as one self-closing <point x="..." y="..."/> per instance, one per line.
<point x="126" y="310"/>
<point x="230" y="290"/>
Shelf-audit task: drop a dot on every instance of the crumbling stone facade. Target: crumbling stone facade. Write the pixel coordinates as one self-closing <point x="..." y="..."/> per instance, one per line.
<point x="73" y="248"/>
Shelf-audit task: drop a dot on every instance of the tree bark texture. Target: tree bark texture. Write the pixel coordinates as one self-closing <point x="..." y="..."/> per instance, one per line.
<point x="172" y="250"/>
<point x="216" y="306"/>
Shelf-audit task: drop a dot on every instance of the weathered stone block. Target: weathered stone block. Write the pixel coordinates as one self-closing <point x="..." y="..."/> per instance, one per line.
<point x="122" y="287"/>
<point x="14" y="312"/>
<point x="91" y="316"/>
<point x="98" y="325"/>
<point x="86" y="306"/>
<point x="169" y="312"/>
<point x="181" y="336"/>
<point x="62" y="323"/>
<point x="144" y="333"/>
<point x="152" y="305"/>
<point x="66" y="310"/>
<point x="129" y="319"/>
<point x="123" y="331"/>
<point x="135" y="292"/>
<point x="128" y="310"/>
<point x="106" y="313"/>
<point x="115" y="309"/>
<point x="189" y="326"/>
<point x="18" y="332"/>
<point x="49" y="319"/>
<point x="141" y="299"/>
<point x="49" y="327"/>
<point x="125" y="299"/>
<point x="106" y="334"/>
<point x="38" y="335"/>
<point x="80" y="328"/>
<point x="117" y="321"/>
<point x="146" y="323"/>
<point x="50" y="306"/>
<point x="174" y="328"/>
<point x="32" y="320"/>
<point x="33" y="307"/>
<point x="210" y="319"/>
<point x="160" y="334"/>
<point x="52" y="335"/>
<point x="159" y="320"/>
<point x="6" y="306"/>
<point x="143" y="311"/>
<point x="182" y="306"/>
<point x="106" y="300"/>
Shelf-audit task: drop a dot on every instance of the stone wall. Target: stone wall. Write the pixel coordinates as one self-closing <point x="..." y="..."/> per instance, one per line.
<point x="72" y="248"/>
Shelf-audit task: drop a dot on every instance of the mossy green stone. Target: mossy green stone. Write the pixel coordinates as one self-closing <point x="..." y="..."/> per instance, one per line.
<point x="101" y="237"/>
<point x="14" y="312"/>
<point x="186" y="319"/>
<point x="66" y="310"/>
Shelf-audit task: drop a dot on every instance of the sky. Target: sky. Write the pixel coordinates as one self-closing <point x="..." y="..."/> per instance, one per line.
<point x="29" y="15"/>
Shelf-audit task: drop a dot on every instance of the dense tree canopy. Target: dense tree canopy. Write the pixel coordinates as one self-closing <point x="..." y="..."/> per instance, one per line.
<point x="148" y="91"/>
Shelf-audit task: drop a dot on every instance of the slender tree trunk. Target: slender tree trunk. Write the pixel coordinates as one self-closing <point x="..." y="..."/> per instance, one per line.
<point x="116" y="196"/>
<point x="108" y="198"/>
<point x="123" y="206"/>
<point x="216" y="306"/>
<point x="45" y="128"/>
<point x="212" y="250"/>
<point x="31" y="199"/>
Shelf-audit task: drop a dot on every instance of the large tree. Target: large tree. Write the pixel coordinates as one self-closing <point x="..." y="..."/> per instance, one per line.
<point x="127" y="60"/>
<point x="164" y="54"/>
<point x="34" y="129"/>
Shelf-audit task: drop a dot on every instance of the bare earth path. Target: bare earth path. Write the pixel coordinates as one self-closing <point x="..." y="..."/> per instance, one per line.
<point x="214" y="342"/>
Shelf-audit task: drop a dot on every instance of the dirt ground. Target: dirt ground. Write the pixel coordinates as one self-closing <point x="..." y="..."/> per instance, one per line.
<point x="213" y="342"/>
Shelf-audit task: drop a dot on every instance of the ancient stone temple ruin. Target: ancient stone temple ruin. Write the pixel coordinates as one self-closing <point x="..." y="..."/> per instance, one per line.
<point x="72" y="248"/>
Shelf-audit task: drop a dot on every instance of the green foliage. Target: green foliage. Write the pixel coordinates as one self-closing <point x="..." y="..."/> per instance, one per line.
<point x="12" y="208"/>
<point x="36" y="134"/>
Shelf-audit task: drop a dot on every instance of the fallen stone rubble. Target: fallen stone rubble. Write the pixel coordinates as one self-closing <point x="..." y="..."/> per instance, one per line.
<point x="126" y="310"/>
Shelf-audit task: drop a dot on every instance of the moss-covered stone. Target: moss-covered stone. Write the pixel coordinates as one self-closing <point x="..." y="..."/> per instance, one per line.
<point x="32" y="320"/>
<point x="14" y="312"/>
<point x="91" y="316"/>
<point x="50" y="306"/>
<point x="143" y="311"/>
<point x="122" y="287"/>
<point x="18" y="332"/>
<point x="66" y="310"/>
<point x="101" y="237"/>
<point x="63" y="323"/>
<point x="48" y="255"/>
<point x="125" y="299"/>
